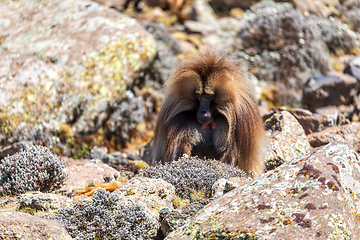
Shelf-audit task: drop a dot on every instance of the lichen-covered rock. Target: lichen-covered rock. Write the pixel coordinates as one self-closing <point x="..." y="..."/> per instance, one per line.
<point x="349" y="133"/>
<point x="43" y="201"/>
<point x="69" y="63"/>
<point x="311" y="122"/>
<point x="152" y="194"/>
<point x="222" y="186"/>
<point x="308" y="120"/>
<point x="331" y="116"/>
<point x="234" y="182"/>
<point x="62" y="32"/>
<point x="17" y="225"/>
<point x="287" y="139"/>
<point x="313" y="196"/>
<point x="217" y="189"/>
<point x="193" y="177"/>
<point x="33" y="169"/>
<point x="105" y="217"/>
<point x="179" y="217"/>
<point x="281" y="46"/>
<point x="333" y="88"/>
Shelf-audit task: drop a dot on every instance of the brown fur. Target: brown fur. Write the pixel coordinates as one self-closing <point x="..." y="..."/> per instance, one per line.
<point x="239" y="134"/>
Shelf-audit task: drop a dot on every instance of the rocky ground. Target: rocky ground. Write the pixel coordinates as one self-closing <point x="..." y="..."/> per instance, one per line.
<point x="80" y="89"/>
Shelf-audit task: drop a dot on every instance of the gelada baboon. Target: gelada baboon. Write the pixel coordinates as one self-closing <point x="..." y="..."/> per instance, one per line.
<point x="210" y="111"/>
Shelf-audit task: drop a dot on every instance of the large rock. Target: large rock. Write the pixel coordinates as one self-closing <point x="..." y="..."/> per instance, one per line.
<point x="349" y="134"/>
<point x="68" y="62"/>
<point x="88" y="172"/>
<point x="17" y="225"/>
<point x="287" y="139"/>
<point x="313" y="196"/>
<point x="43" y="201"/>
<point x="64" y="32"/>
<point x="333" y="88"/>
<point x="309" y="121"/>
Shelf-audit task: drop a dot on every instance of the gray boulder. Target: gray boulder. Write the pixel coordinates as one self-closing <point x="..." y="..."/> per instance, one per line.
<point x="312" y="196"/>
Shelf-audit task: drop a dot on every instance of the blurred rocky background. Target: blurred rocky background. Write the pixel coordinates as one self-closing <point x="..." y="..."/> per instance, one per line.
<point x="81" y="83"/>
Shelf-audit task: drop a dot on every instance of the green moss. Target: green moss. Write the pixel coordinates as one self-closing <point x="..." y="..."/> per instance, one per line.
<point x="90" y="185"/>
<point x="141" y="164"/>
<point x="28" y="210"/>
<point x="81" y="150"/>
